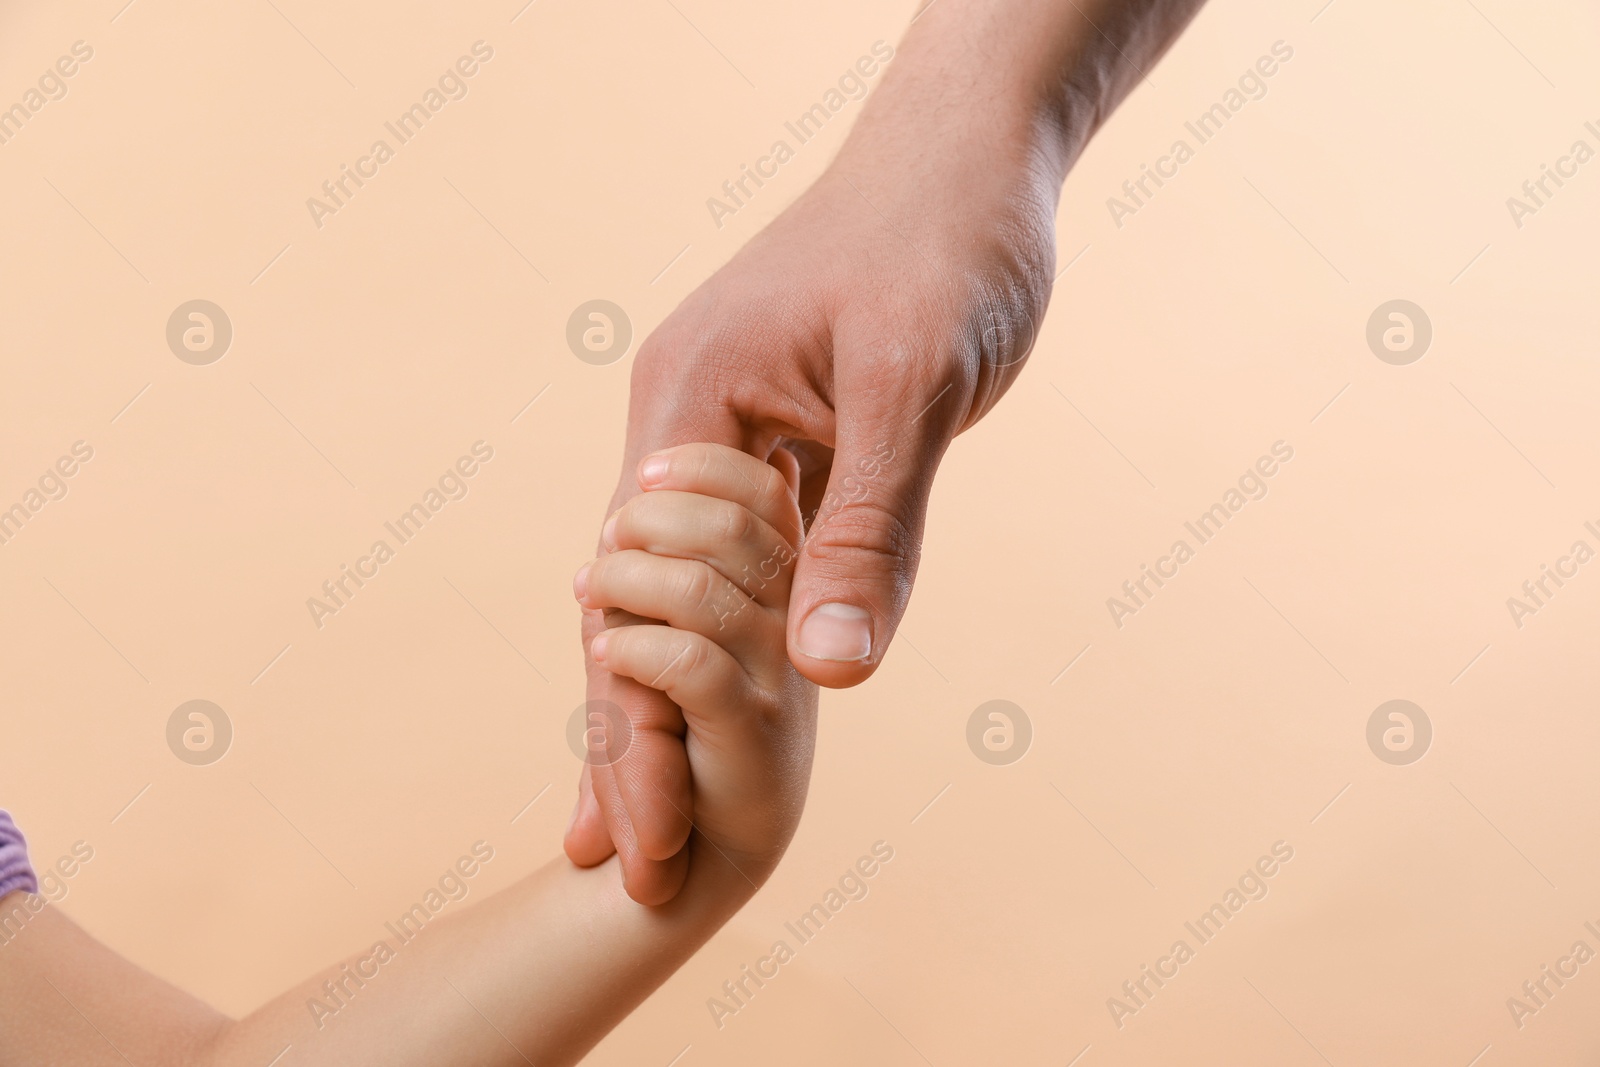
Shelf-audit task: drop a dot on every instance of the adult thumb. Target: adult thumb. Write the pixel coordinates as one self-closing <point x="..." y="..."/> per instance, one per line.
<point x="853" y="577"/>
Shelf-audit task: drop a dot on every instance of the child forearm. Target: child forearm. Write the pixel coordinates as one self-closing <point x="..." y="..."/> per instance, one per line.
<point x="537" y="973"/>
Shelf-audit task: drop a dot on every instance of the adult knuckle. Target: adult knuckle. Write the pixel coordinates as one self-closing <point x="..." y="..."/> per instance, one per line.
<point x="693" y="357"/>
<point x="926" y="370"/>
<point x="865" y="526"/>
<point x="712" y="354"/>
<point x="659" y="364"/>
<point x="1006" y="314"/>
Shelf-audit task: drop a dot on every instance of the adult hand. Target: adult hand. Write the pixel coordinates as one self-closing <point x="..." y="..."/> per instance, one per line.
<point x="888" y="309"/>
<point x="880" y="315"/>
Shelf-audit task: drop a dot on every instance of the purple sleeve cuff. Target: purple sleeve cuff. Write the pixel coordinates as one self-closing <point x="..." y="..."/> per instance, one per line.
<point x="15" y="871"/>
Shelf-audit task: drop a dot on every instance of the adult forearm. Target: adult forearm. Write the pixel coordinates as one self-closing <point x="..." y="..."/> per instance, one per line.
<point x="1021" y="81"/>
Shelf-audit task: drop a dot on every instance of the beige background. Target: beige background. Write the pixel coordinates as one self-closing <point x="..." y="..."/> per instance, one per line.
<point x="1226" y="716"/>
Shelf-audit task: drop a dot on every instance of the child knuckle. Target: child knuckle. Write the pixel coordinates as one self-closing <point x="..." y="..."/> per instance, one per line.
<point x="695" y="587"/>
<point x="738" y="525"/>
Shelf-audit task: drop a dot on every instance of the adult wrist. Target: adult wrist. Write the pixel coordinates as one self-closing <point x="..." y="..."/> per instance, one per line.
<point x="997" y="81"/>
<point x="1007" y="136"/>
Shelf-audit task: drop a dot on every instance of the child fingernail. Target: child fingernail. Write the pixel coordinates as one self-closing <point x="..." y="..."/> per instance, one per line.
<point x="597" y="647"/>
<point x="608" y="534"/>
<point x="580" y="582"/>
<point x="653" y="471"/>
<point x="841" y="633"/>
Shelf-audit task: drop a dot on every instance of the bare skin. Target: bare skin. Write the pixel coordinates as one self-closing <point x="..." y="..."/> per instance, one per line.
<point x="888" y="309"/>
<point x="557" y="960"/>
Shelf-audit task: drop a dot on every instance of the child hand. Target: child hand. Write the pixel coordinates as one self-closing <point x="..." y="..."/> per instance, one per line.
<point x="691" y="600"/>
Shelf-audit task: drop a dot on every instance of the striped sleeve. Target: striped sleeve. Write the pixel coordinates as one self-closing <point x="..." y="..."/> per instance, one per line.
<point x="15" y="871"/>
